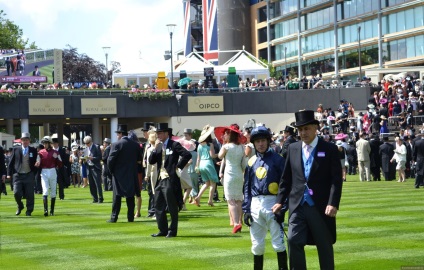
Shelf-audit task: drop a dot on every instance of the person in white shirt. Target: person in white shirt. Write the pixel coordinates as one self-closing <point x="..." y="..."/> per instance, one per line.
<point x="400" y="158"/>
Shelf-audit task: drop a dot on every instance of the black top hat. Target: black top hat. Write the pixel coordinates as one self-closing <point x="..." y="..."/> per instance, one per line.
<point x="306" y="117"/>
<point x="55" y="140"/>
<point x="162" y="127"/>
<point x="122" y="129"/>
<point x="289" y="129"/>
<point x="147" y="125"/>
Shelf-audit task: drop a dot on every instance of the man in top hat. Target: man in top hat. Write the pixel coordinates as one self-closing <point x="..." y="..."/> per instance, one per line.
<point x="3" y="172"/>
<point x="107" y="177"/>
<point x="312" y="183"/>
<point x="94" y="155"/>
<point x="22" y="168"/>
<point x="168" y="193"/>
<point x="288" y="139"/>
<point x="375" y="159"/>
<point x="62" y="172"/>
<point x="122" y="162"/>
<point x="418" y="159"/>
<point x="386" y="153"/>
<point x="363" y="150"/>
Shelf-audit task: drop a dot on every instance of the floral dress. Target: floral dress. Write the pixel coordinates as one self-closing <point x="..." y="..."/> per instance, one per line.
<point x="75" y="166"/>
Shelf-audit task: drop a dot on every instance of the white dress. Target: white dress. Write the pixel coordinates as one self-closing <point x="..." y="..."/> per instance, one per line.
<point x="233" y="173"/>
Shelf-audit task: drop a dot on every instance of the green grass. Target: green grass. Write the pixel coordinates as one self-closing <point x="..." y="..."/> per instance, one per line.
<point x="45" y="71"/>
<point x="380" y="226"/>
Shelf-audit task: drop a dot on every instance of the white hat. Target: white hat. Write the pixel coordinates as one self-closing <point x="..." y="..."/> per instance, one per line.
<point x="46" y="139"/>
<point x="25" y="135"/>
<point x="207" y="130"/>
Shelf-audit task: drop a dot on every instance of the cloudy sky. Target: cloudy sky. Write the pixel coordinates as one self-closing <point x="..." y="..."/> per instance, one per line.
<point x="134" y="29"/>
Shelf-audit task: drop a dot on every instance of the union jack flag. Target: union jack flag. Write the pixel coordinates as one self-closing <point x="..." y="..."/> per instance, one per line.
<point x="187" y="27"/>
<point x="210" y="30"/>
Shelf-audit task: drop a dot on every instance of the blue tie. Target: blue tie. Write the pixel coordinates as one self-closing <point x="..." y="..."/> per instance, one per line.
<point x="25" y="151"/>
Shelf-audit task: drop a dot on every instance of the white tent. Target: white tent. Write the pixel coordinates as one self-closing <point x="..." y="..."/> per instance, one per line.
<point x="246" y="65"/>
<point x="193" y="65"/>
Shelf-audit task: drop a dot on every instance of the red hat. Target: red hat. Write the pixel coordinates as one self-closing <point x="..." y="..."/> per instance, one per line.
<point x="219" y="132"/>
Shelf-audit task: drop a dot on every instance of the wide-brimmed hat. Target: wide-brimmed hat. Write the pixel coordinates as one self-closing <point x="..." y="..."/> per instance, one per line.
<point x="371" y="106"/>
<point x="340" y="136"/>
<point x="25" y="135"/>
<point x="383" y="100"/>
<point x="74" y="148"/>
<point x="383" y="117"/>
<point x="289" y="129"/>
<point x="122" y="129"/>
<point x="147" y="125"/>
<point x="207" y="130"/>
<point x="339" y="143"/>
<point x="46" y="139"/>
<point x="219" y="132"/>
<point x="305" y="117"/>
<point x="162" y="127"/>
<point x="107" y="140"/>
<point x="187" y="144"/>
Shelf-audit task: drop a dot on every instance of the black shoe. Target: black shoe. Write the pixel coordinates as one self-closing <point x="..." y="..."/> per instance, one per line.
<point x="170" y="235"/>
<point x="150" y="215"/>
<point x="101" y="201"/>
<point x="217" y="201"/>
<point x="111" y="221"/>
<point x="95" y="201"/>
<point x="28" y="214"/>
<point x="131" y="220"/>
<point x="18" y="212"/>
<point x="159" y="234"/>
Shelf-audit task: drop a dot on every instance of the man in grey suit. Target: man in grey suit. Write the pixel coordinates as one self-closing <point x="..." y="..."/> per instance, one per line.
<point x="122" y="163"/>
<point x="418" y="158"/>
<point x="312" y="183"/>
<point x="94" y="155"/>
<point x="363" y="149"/>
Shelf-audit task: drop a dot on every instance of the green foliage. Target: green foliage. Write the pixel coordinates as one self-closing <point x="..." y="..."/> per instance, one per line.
<point x="272" y="70"/>
<point x="378" y="228"/>
<point x="10" y="34"/>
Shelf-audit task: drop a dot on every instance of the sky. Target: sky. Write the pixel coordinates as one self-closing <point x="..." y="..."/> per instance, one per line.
<point x="134" y="29"/>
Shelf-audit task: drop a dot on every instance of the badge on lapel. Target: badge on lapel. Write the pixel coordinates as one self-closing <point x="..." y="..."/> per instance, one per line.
<point x="321" y="154"/>
<point x="31" y="155"/>
<point x="168" y="152"/>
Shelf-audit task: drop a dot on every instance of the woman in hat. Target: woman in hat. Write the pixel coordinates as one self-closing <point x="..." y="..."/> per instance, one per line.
<point x="151" y="172"/>
<point x="206" y="167"/>
<point x="400" y="158"/>
<point x="75" y="166"/>
<point x="233" y="154"/>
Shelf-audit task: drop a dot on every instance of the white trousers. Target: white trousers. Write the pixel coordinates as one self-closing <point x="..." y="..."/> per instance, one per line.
<point x="49" y="180"/>
<point x="263" y="220"/>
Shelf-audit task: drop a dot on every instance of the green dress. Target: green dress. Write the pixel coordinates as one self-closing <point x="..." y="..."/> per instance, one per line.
<point x="206" y="165"/>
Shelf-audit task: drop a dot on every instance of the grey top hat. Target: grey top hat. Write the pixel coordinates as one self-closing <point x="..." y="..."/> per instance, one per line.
<point x="107" y="140"/>
<point x="188" y="130"/>
<point x="162" y="127"/>
<point x="25" y="135"/>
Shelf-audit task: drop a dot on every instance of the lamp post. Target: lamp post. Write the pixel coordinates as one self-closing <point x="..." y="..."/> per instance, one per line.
<point x="106" y="51"/>
<point x="171" y="28"/>
<point x="359" y="53"/>
<point x="285" y="63"/>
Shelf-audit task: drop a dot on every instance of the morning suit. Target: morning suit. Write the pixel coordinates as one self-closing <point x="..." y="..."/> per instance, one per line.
<point x="418" y="157"/>
<point x="289" y="140"/>
<point x="94" y="172"/>
<point x="375" y="159"/>
<point x="122" y="163"/>
<point x="3" y="171"/>
<point x="168" y="193"/>
<point x="308" y="223"/>
<point x="386" y="153"/>
<point x="23" y="175"/>
<point x="363" y="149"/>
<point x="107" y="177"/>
<point x="62" y="175"/>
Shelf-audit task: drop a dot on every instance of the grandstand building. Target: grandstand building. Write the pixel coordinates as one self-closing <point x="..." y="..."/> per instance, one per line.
<point x="338" y="38"/>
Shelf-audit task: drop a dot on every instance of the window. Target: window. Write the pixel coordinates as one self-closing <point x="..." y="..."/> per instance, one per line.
<point x="410" y="47"/>
<point x="418" y="16"/>
<point x="419" y="45"/>
<point x="262" y="35"/>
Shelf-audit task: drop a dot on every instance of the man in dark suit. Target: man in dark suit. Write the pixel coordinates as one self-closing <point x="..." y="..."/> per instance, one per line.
<point x="418" y="158"/>
<point x="168" y="193"/>
<point x="3" y="172"/>
<point x="94" y="155"/>
<point x="288" y="139"/>
<point x="375" y="159"/>
<point x="217" y="162"/>
<point x="122" y="163"/>
<point x="62" y="172"/>
<point x="21" y="168"/>
<point x="107" y="177"/>
<point x="312" y="182"/>
<point x="386" y="153"/>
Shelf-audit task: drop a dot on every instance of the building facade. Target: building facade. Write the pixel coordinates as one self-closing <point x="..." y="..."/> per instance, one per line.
<point x="338" y="38"/>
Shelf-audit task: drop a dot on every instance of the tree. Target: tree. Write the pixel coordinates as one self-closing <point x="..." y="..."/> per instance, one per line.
<point x="10" y="34"/>
<point x="82" y="68"/>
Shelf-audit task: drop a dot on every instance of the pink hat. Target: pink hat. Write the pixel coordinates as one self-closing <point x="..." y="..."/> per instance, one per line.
<point x="340" y="136"/>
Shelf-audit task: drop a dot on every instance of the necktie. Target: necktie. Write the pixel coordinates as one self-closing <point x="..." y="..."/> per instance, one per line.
<point x="307" y="151"/>
<point x="25" y="151"/>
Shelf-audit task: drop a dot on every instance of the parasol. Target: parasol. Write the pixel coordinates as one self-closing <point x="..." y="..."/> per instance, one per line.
<point x="184" y="81"/>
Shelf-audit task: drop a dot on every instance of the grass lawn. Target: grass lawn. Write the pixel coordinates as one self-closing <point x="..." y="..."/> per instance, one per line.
<point x="45" y="71"/>
<point x="380" y="226"/>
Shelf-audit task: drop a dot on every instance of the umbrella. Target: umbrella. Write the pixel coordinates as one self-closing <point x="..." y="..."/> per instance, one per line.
<point x="184" y="81"/>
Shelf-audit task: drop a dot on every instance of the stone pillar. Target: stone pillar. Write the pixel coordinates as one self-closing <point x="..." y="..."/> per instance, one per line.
<point x="113" y="128"/>
<point x="9" y="126"/>
<point x="96" y="131"/>
<point x="24" y="125"/>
